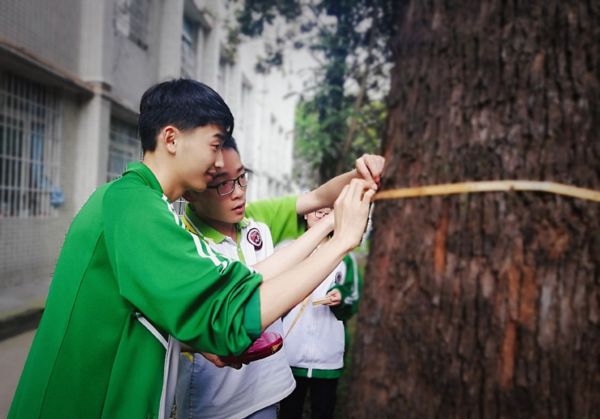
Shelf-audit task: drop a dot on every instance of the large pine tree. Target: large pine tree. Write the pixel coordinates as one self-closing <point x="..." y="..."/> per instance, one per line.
<point x="487" y="305"/>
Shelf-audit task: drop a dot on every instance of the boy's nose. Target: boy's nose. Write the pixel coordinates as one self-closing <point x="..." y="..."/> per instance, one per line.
<point x="219" y="159"/>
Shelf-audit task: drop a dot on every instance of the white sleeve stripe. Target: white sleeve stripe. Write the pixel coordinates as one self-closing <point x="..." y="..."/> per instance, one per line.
<point x="204" y="251"/>
<point x="212" y="253"/>
<point x="201" y="251"/>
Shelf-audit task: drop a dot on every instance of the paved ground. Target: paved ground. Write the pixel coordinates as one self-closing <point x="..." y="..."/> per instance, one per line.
<point x="20" y="310"/>
<point x="17" y="299"/>
<point x="21" y="307"/>
<point x="13" y="352"/>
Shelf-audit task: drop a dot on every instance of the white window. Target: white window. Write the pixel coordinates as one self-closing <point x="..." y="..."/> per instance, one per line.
<point x="189" y="46"/>
<point x="131" y="20"/>
<point x="124" y="147"/>
<point x="30" y="149"/>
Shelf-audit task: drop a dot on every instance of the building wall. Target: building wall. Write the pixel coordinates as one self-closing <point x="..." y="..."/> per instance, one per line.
<point x="267" y="132"/>
<point x="51" y="33"/>
<point x="134" y="68"/>
<point x="76" y="49"/>
<point x="29" y="246"/>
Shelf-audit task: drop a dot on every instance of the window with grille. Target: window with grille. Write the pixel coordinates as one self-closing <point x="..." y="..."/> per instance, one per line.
<point x="131" y="20"/>
<point x="124" y="147"/>
<point x="30" y="149"/>
<point x="189" y="45"/>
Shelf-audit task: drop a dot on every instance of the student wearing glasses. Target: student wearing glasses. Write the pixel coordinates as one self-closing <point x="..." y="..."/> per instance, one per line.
<point x="248" y="232"/>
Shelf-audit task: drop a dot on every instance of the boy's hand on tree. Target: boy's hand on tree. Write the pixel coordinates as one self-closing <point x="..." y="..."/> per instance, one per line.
<point x="370" y="168"/>
<point x="351" y="211"/>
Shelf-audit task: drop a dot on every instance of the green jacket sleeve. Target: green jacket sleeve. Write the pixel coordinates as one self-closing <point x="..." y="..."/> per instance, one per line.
<point x="279" y="215"/>
<point x="351" y="289"/>
<point x="173" y="278"/>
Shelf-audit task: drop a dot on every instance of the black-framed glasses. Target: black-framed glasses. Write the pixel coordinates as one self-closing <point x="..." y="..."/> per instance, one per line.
<point x="322" y="213"/>
<point x="228" y="186"/>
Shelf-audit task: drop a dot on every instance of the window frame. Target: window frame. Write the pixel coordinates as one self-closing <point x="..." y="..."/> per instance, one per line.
<point x="124" y="146"/>
<point x="30" y="148"/>
<point x="131" y="19"/>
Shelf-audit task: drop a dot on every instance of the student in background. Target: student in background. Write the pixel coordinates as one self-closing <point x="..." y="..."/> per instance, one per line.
<point x="350" y="293"/>
<point x="219" y="215"/>
<point x="315" y="338"/>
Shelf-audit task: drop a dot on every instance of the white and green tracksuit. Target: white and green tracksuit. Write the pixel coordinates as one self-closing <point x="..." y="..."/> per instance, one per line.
<point x="205" y="391"/>
<point x="316" y="342"/>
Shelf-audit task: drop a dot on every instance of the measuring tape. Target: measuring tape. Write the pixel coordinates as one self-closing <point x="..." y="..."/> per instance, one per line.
<point x="490" y="186"/>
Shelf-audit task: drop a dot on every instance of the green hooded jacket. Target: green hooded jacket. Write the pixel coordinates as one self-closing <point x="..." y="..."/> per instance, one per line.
<point x="126" y="252"/>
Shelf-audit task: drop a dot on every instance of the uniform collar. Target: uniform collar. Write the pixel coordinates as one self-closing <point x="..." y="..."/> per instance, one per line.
<point x="145" y="173"/>
<point x="244" y="223"/>
<point x="206" y="230"/>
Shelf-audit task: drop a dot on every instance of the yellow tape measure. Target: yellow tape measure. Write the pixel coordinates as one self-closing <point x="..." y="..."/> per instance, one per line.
<point x="490" y="186"/>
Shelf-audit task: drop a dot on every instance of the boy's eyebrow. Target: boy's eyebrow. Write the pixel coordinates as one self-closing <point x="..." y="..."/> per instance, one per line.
<point x="220" y="175"/>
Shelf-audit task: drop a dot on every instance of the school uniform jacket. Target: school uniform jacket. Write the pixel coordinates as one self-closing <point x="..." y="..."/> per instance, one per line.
<point x="350" y="289"/>
<point x="207" y="392"/>
<point x="315" y="343"/>
<point x="127" y="252"/>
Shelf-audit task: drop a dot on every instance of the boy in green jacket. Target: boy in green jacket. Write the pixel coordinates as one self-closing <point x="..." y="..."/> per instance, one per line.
<point x="126" y="254"/>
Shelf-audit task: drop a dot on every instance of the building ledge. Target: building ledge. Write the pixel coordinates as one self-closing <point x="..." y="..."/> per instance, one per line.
<point x="19" y="60"/>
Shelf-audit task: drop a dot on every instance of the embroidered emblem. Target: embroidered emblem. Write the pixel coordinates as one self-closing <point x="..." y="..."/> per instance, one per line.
<point x="338" y="277"/>
<point x="254" y="238"/>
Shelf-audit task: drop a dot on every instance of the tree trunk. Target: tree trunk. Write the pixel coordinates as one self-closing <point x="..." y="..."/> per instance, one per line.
<point x="487" y="305"/>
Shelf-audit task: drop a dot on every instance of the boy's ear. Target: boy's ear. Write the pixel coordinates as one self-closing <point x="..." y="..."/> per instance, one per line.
<point x="168" y="135"/>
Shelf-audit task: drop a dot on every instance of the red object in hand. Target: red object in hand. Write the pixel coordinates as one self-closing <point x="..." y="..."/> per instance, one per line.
<point x="266" y="345"/>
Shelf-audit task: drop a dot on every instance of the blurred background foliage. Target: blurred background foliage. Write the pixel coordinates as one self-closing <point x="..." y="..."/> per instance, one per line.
<point x="342" y="108"/>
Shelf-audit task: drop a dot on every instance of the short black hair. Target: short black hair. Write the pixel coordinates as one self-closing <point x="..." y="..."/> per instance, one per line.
<point x="230" y="143"/>
<point x="183" y="103"/>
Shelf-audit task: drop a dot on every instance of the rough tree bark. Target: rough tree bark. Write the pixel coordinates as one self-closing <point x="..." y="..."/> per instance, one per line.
<point x="487" y="305"/>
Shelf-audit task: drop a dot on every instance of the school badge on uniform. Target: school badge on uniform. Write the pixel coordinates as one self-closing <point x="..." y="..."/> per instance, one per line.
<point x="254" y="238"/>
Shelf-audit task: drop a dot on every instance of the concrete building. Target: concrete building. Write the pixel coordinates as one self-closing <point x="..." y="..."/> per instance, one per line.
<point x="71" y="76"/>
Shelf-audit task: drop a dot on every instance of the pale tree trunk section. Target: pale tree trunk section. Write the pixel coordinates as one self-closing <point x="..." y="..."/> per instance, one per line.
<point x="487" y="305"/>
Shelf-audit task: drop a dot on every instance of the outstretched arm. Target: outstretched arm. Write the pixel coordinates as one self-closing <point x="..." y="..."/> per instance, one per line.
<point x="279" y="294"/>
<point x="369" y="167"/>
<point x="289" y="256"/>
